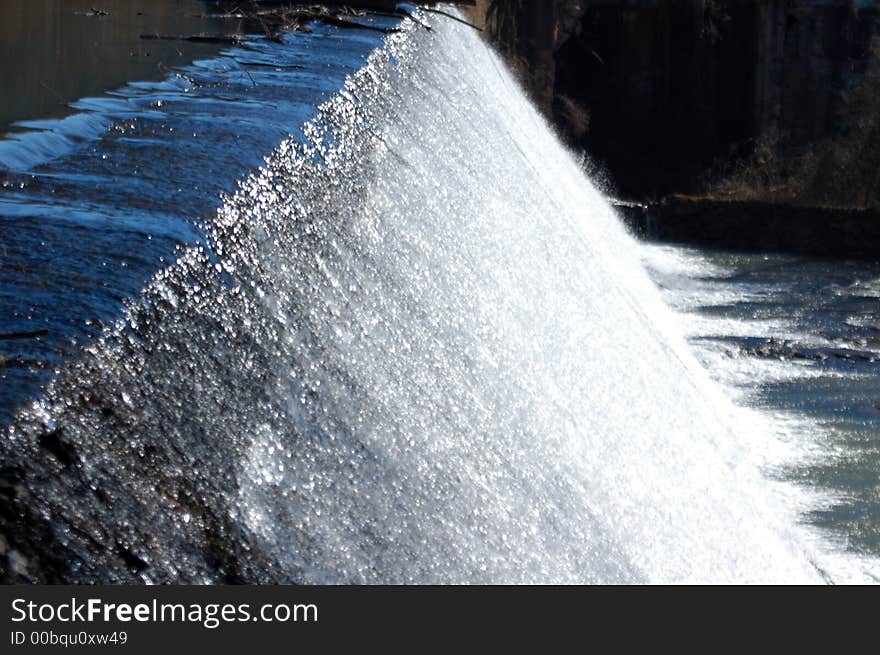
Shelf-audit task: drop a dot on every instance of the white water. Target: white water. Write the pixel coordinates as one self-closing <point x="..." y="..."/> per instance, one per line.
<point x="530" y="410"/>
<point x="426" y="351"/>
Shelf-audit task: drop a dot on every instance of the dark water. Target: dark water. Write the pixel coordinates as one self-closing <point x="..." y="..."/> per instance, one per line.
<point x="54" y="52"/>
<point x="799" y="338"/>
<point x="93" y="204"/>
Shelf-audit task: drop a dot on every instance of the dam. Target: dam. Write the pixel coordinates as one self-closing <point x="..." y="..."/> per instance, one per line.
<point x="410" y="343"/>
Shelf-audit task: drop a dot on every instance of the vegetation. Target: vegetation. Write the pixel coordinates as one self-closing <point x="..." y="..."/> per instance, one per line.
<point x="838" y="171"/>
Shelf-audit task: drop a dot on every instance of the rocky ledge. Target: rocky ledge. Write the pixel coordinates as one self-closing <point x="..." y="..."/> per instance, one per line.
<point x="757" y="226"/>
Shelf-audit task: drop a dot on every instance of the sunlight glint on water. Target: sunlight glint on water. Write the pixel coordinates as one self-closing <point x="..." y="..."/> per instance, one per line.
<point x="422" y="349"/>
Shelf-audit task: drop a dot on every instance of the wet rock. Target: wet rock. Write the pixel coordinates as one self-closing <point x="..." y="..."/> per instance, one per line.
<point x="53" y="442"/>
<point x="783" y="349"/>
<point x="135" y="562"/>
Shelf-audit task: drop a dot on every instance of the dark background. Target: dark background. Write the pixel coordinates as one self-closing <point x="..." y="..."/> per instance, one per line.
<point x="770" y="100"/>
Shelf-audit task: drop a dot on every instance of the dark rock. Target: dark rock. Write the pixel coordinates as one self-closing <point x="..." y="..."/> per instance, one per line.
<point x="63" y="451"/>
<point x="133" y="561"/>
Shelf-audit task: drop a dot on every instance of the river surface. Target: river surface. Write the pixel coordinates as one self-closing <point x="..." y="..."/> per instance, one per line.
<point x="55" y="52"/>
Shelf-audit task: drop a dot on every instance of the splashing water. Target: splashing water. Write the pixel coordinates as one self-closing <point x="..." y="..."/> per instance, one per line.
<point x="419" y="348"/>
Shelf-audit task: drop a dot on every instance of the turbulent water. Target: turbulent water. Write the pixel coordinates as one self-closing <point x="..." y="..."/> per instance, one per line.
<point x="415" y="346"/>
<point x="798" y="338"/>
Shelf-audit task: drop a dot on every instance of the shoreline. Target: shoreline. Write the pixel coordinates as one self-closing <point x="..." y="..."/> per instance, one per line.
<point x="756" y="226"/>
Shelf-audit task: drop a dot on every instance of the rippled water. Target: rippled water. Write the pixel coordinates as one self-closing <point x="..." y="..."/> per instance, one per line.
<point x="798" y="338"/>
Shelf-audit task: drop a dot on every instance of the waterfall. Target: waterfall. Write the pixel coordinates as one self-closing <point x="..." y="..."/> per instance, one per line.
<point x="417" y="347"/>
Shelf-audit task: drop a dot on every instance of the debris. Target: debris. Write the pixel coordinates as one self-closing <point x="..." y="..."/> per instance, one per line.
<point x="448" y="15"/>
<point x="231" y="39"/>
<point x="282" y="16"/>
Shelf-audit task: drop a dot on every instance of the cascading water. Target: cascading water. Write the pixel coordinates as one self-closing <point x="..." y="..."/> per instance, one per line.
<point x="419" y="348"/>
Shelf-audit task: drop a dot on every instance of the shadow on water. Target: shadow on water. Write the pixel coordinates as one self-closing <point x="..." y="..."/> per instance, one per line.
<point x="53" y="52"/>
